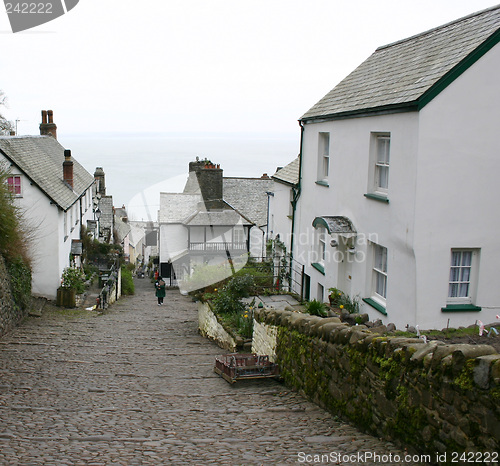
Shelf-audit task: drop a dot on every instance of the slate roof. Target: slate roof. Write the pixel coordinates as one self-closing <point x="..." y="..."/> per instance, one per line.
<point x="409" y="73"/>
<point x="248" y="196"/>
<point x="189" y="209"/>
<point x="336" y="224"/>
<point x="41" y="159"/>
<point x="176" y="207"/>
<point x="122" y="229"/>
<point x="289" y="174"/>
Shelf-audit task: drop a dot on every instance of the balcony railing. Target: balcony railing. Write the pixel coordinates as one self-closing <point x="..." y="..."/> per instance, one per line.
<point x="217" y="246"/>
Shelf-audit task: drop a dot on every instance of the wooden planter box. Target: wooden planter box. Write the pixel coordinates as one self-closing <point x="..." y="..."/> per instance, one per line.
<point x="66" y="297"/>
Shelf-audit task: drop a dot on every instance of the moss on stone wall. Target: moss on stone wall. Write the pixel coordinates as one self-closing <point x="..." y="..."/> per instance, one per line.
<point x="428" y="396"/>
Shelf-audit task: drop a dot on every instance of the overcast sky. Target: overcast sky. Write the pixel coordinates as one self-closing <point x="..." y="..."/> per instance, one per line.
<point x="199" y="65"/>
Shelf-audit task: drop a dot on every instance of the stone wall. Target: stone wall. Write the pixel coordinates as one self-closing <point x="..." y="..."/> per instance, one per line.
<point x="264" y="339"/>
<point x="10" y="316"/>
<point x="210" y="327"/>
<point x="431" y="397"/>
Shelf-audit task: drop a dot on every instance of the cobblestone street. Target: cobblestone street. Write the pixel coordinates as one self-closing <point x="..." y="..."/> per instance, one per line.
<point x="135" y="386"/>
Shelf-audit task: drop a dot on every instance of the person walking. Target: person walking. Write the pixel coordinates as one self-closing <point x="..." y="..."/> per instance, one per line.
<point x="160" y="290"/>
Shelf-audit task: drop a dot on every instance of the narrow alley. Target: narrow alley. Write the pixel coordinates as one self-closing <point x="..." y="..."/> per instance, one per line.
<point x="135" y="386"/>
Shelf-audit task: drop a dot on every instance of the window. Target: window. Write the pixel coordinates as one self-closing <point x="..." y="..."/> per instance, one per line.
<point x="380" y="272"/>
<point x="323" y="156"/>
<point x="321" y="246"/>
<point x="382" y="164"/>
<point x="463" y="268"/>
<point x="378" y="291"/>
<point x="319" y="250"/>
<point x="239" y="236"/>
<point x="14" y="184"/>
<point x="378" y="176"/>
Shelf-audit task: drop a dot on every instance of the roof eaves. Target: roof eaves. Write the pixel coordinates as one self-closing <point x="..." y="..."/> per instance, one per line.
<point x="280" y="180"/>
<point x="359" y="113"/>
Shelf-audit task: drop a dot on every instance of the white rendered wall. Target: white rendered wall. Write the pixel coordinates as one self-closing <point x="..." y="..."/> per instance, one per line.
<point x="458" y="194"/>
<point x="49" y="250"/>
<point x="390" y="225"/>
<point x="173" y="241"/>
<point x="280" y="222"/>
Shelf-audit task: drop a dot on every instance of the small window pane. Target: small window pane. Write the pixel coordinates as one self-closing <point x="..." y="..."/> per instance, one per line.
<point x="460" y="274"/>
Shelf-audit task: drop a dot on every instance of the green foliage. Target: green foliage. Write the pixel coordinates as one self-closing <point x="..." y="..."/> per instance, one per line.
<point x="13" y="237"/>
<point x="20" y="282"/>
<point x="94" y="249"/>
<point x="128" y="287"/>
<point x="341" y="300"/>
<point x="316" y="308"/>
<point x="73" y="279"/>
<point x="14" y="241"/>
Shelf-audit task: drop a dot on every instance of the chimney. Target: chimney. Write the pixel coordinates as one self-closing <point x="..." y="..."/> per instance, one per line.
<point x="68" y="168"/>
<point x="209" y="178"/>
<point x="99" y="178"/>
<point x="48" y="127"/>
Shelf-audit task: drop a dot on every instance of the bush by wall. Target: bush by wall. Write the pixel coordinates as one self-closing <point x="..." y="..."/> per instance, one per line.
<point x="15" y="270"/>
<point x="431" y="397"/>
<point x="128" y="287"/>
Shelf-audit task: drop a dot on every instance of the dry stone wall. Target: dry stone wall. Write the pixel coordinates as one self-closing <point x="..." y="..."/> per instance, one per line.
<point x="10" y="315"/>
<point x="431" y="397"/>
<point x="210" y="327"/>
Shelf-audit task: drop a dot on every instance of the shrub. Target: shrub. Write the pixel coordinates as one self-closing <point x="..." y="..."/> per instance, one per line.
<point x="14" y="235"/>
<point x="343" y="301"/>
<point x="73" y="279"/>
<point x="128" y="287"/>
<point x="228" y="299"/>
<point x="20" y="282"/>
<point x="316" y="308"/>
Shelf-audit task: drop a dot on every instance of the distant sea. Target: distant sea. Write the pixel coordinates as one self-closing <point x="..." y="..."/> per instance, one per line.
<point x="140" y="166"/>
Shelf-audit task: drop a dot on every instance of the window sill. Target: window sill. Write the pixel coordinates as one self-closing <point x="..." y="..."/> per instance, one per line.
<point x="460" y="308"/>
<point x="377" y="197"/>
<point x="323" y="183"/>
<point x="318" y="267"/>
<point x="375" y="305"/>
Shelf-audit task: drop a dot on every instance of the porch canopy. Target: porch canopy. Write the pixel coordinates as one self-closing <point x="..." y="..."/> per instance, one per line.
<point x="336" y="225"/>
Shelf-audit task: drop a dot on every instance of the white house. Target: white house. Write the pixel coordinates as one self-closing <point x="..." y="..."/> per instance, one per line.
<point x="54" y="193"/>
<point x="281" y="203"/>
<point x="399" y="179"/>
<point x="216" y="220"/>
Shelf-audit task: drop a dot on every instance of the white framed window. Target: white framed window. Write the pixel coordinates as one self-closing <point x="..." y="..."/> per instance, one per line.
<point x="239" y="236"/>
<point x="322" y="246"/>
<point x="462" y="281"/>
<point x="14" y="185"/>
<point x="379" y="273"/>
<point x="323" y="156"/>
<point x="380" y="150"/>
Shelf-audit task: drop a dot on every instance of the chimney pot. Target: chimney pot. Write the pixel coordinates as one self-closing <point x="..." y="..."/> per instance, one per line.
<point x="48" y="128"/>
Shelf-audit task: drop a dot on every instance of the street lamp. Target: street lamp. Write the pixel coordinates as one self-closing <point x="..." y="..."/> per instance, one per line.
<point x="97" y="215"/>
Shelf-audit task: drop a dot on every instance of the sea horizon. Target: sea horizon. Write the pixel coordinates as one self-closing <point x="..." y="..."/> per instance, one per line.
<point x="138" y="166"/>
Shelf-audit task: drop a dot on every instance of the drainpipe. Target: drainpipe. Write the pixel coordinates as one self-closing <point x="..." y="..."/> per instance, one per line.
<point x="296" y="194"/>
